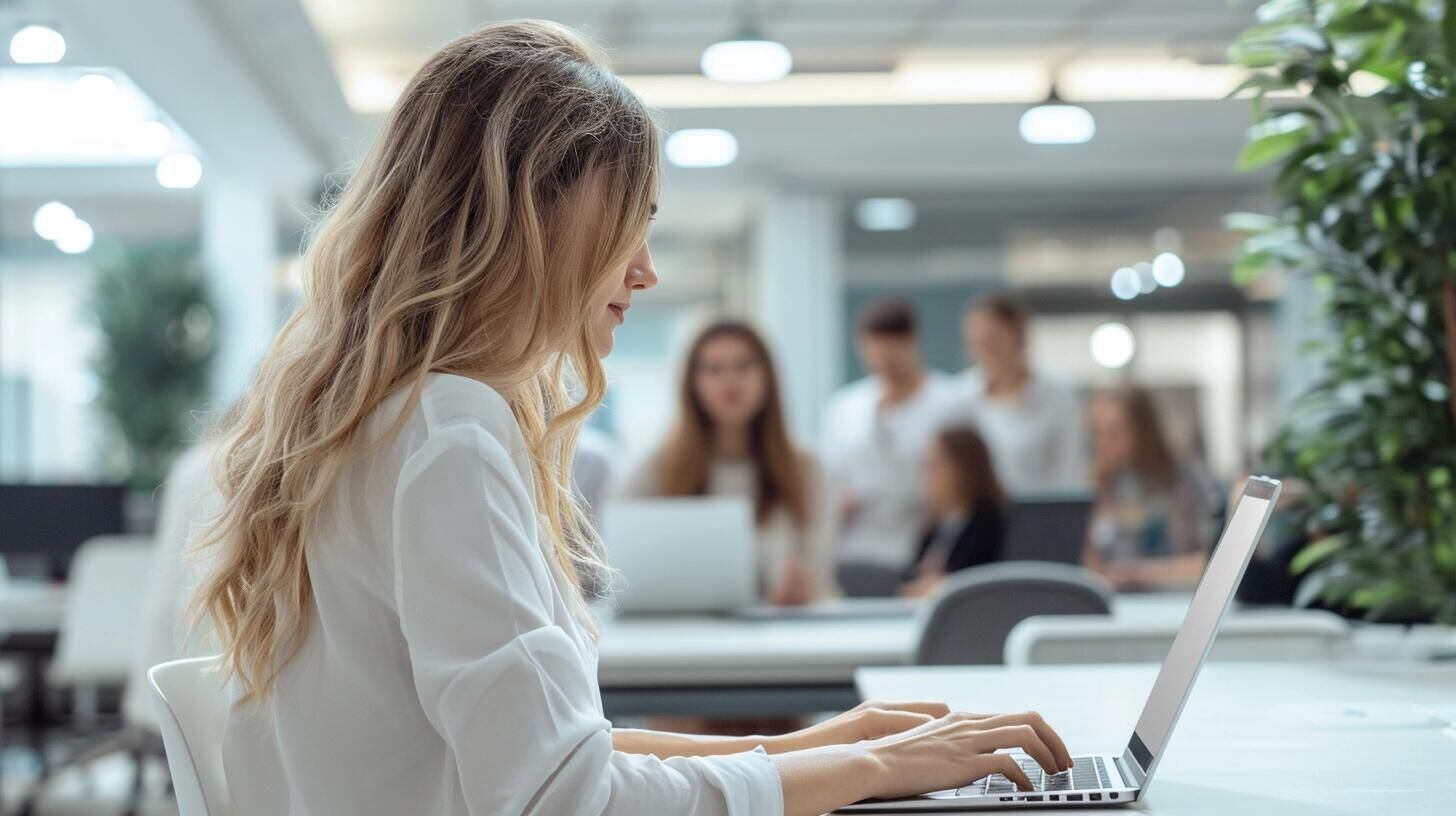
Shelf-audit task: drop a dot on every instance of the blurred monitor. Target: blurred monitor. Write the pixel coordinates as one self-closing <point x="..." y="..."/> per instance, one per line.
<point x="1048" y="528"/>
<point x="44" y="524"/>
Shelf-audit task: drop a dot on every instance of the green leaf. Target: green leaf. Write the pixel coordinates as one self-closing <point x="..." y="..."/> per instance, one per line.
<point x="1316" y="552"/>
<point x="1274" y="138"/>
<point x="1249" y="222"/>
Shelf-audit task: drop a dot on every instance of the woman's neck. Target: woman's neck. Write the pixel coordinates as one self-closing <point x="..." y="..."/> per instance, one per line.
<point x="1008" y="382"/>
<point x="731" y="442"/>
<point x="898" y="390"/>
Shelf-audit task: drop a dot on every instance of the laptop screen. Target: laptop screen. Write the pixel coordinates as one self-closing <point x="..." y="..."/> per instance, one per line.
<point x="1194" y="637"/>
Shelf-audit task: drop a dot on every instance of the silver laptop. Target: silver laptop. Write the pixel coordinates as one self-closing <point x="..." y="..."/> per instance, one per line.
<point x="689" y="554"/>
<point x="1122" y="778"/>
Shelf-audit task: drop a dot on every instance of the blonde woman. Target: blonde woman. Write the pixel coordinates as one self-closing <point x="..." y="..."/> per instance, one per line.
<point x="397" y="591"/>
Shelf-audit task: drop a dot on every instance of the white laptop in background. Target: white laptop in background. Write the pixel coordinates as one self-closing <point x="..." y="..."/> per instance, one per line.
<point x="1122" y="778"/>
<point x="687" y="554"/>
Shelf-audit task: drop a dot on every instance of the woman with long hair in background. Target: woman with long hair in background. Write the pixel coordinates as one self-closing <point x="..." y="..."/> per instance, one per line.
<point x="1153" y="513"/>
<point x="730" y="439"/>
<point x="398" y="558"/>
<point x="967" y="525"/>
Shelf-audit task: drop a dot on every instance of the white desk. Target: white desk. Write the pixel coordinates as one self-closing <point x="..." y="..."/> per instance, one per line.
<point x="732" y="667"/>
<point x="1264" y="725"/>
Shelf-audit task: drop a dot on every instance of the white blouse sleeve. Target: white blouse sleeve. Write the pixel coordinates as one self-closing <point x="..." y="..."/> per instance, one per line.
<point x="507" y="688"/>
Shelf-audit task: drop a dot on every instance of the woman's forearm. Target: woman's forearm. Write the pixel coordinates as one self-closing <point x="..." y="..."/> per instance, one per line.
<point x="665" y="744"/>
<point x="820" y="780"/>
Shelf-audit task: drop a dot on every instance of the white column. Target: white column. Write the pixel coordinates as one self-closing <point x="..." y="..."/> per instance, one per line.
<point x="239" y="251"/>
<point x="798" y="300"/>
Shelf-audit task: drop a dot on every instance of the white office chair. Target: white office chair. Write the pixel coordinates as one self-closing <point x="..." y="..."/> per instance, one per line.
<point x="192" y="704"/>
<point x="102" y="622"/>
<point x="1272" y="635"/>
<point x="99" y="632"/>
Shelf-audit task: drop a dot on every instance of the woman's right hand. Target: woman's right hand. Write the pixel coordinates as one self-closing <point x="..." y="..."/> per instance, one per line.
<point x="959" y="748"/>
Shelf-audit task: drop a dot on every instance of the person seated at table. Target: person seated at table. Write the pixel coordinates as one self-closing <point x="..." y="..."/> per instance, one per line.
<point x="1152" y="520"/>
<point x="730" y="439"/>
<point x="395" y="578"/>
<point x="968" y="505"/>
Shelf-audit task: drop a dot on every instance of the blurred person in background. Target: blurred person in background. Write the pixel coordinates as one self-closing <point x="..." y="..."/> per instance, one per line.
<point x="730" y="439"/>
<point x="1032" y="423"/>
<point x="875" y="435"/>
<point x="1153" y="515"/>
<point x="968" y="525"/>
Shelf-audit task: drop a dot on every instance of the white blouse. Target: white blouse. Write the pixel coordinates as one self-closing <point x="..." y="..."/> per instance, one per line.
<point x="1035" y="438"/>
<point x="873" y="454"/>
<point x="444" y="671"/>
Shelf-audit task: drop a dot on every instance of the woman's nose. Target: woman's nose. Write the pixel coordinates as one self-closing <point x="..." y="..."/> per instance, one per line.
<point x="640" y="272"/>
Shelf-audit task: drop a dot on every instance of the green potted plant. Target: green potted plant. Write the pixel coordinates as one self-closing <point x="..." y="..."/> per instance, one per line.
<point x="1356" y="113"/>
<point x="154" y="360"/>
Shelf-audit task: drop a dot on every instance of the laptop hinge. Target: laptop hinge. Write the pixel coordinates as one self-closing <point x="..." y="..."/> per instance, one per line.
<point x="1131" y="771"/>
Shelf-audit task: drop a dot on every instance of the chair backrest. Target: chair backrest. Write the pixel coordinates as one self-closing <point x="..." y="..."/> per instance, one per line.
<point x="967" y="620"/>
<point x="1050" y="527"/>
<point x="104" y="600"/>
<point x="864" y="579"/>
<point x="1275" y="635"/>
<point x="192" y="706"/>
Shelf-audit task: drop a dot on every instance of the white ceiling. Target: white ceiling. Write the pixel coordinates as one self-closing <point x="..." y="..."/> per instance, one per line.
<point x="667" y="36"/>
<point x="963" y="161"/>
<point x="961" y="153"/>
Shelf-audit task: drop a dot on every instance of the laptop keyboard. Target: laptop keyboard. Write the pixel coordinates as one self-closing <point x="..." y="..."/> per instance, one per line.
<point x="1087" y="773"/>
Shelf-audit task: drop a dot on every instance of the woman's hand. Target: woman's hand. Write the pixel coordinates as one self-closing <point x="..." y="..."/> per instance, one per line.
<point x="959" y="748"/>
<point x="867" y="721"/>
<point x="922" y="586"/>
<point x="946" y="752"/>
<point x="792" y="587"/>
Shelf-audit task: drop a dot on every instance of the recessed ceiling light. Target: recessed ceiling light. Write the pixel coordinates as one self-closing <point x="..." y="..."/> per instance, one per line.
<point x="1125" y="283"/>
<point x="1168" y="269"/>
<point x="1112" y="345"/>
<point x="179" y="171"/>
<point x="51" y="219"/>
<point x="885" y="214"/>
<point x="76" y="237"/>
<point x="701" y="147"/>
<point x="748" y="57"/>
<point x="37" y="45"/>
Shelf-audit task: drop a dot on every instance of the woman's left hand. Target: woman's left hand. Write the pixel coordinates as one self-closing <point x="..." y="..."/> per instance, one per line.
<point x="792" y="587"/>
<point x="867" y="721"/>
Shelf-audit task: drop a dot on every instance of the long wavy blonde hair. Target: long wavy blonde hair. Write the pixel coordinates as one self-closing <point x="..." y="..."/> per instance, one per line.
<point x="512" y="184"/>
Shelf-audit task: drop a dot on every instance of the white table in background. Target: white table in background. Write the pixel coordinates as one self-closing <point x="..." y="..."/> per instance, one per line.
<point x="31" y="607"/>
<point x="731" y="666"/>
<point x="1267" y="738"/>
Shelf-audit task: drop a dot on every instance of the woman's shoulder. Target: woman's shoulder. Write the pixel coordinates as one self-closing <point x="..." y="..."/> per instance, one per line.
<point x="451" y="411"/>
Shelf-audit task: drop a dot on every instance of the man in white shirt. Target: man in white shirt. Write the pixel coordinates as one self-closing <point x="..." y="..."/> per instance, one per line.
<point x="1032" y="424"/>
<point x="875" y="435"/>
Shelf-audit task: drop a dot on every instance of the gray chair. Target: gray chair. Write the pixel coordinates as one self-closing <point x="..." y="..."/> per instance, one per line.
<point x="966" y="622"/>
<point x="1299" y="635"/>
<point x="863" y="579"/>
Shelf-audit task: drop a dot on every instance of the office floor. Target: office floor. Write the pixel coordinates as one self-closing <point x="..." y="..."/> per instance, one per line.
<point x="101" y="791"/>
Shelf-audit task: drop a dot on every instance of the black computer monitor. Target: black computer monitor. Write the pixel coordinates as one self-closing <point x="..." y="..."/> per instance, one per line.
<point x="48" y="522"/>
<point x="1048" y="528"/>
